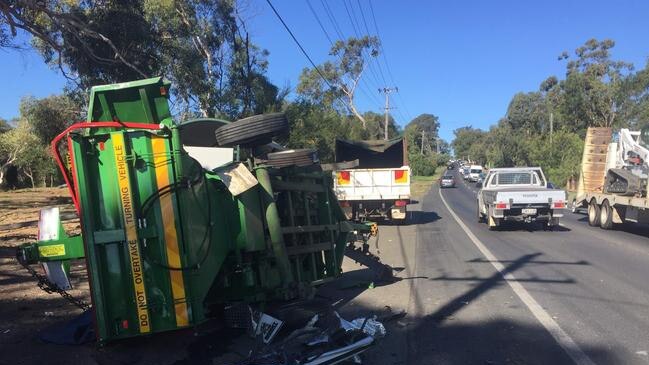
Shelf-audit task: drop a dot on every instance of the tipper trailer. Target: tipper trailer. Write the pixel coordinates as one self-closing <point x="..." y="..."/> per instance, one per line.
<point x="176" y="226"/>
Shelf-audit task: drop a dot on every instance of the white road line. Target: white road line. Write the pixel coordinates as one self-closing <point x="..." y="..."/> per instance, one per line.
<point x="562" y="338"/>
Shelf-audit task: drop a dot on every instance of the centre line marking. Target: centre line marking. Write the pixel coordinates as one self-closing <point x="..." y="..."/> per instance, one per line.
<point x="562" y="338"/>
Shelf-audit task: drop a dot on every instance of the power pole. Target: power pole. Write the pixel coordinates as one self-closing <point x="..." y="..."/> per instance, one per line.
<point x="423" y="133"/>
<point x="437" y="140"/>
<point x="387" y="91"/>
<point x="551" y="126"/>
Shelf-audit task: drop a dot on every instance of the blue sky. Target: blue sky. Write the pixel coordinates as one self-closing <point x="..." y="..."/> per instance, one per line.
<point x="459" y="60"/>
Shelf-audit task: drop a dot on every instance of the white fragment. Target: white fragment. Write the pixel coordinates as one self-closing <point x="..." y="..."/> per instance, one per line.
<point x="643" y="353"/>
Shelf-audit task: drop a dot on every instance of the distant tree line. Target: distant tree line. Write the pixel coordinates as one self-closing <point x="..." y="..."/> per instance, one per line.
<point x="547" y="127"/>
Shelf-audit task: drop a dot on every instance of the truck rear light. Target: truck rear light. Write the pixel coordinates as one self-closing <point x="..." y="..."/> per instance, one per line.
<point x="559" y="204"/>
<point x="501" y="206"/>
<point x="401" y="176"/>
<point x="400" y="203"/>
<point x="345" y="204"/>
<point x="343" y="177"/>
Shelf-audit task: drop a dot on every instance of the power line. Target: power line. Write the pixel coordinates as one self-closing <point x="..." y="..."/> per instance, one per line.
<point x="361" y="86"/>
<point x="353" y="21"/>
<point x="332" y="19"/>
<point x="317" y="18"/>
<point x="299" y="45"/>
<point x="385" y="59"/>
<point x="367" y="29"/>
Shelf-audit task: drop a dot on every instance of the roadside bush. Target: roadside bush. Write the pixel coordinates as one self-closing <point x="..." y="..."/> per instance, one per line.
<point x="422" y="165"/>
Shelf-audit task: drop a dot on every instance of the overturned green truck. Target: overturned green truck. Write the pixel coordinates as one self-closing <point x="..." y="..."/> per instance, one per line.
<point x="181" y="220"/>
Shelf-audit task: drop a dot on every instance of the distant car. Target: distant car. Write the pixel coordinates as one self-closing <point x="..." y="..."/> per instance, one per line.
<point x="465" y="173"/>
<point x="480" y="179"/>
<point x="447" y="181"/>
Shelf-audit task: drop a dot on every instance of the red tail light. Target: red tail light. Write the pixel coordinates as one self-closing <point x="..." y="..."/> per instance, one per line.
<point x="343" y="177"/>
<point x="401" y="176"/>
<point x="400" y="203"/>
<point x="501" y="206"/>
<point x="559" y="204"/>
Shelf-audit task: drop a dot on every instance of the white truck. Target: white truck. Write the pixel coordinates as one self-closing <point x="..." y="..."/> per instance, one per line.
<point x="613" y="182"/>
<point x="474" y="173"/>
<point x="378" y="186"/>
<point x="519" y="194"/>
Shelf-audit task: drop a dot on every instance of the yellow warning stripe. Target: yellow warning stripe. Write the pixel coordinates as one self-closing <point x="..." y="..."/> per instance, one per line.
<point x="161" y="163"/>
<point x="124" y="183"/>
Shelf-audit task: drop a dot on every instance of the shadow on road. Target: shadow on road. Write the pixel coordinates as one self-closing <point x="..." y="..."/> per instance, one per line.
<point x="529" y="227"/>
<point x="440" y="338"/>
<point x="639" y="229"/>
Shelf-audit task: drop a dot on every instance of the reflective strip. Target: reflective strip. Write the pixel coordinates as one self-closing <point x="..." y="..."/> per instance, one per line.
<point x="161" y="161"/>
<point x="124" y="182"/>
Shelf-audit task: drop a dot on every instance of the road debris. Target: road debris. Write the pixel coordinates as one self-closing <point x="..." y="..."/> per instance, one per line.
<point x="326" y="338"/>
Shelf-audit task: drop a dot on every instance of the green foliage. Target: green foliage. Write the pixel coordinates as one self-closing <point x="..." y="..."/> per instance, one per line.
<point x="49" y="116"/>
<point x="422" y="165"/>
<point x="203" y="47"/>
<point x="313" y="126"/>
<point x="429" y="125"/>
<point x="597" y="91"/>
<point x="4" y="126"/>
<point x="343" y="75"/>
<point x="465" y="138"/>
<point x="559" y="156"/>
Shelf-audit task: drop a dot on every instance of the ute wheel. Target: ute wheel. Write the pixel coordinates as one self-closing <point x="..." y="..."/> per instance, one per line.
<point x="480" y="218"/>
<point x="303" y="157"/>
<point x="593" y="213"/>
<point x="252" y="131"/>
<point x="606" y="215"/>
<point x="574" y="208"/>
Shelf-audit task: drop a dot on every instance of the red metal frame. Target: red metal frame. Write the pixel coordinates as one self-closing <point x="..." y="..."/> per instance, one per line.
<point x="83" y="125"/>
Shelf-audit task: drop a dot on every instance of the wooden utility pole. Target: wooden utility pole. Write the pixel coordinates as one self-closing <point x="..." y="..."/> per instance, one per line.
<point x="551" y="126"/>
<point x="387" y="91"/>
<point x="423" y="133"/>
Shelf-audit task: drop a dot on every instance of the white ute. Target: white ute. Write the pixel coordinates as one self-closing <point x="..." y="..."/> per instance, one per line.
<point x="519" y="194"/>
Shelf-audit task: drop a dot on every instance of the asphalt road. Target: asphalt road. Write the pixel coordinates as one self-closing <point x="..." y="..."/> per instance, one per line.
<point x="574" y="295"/>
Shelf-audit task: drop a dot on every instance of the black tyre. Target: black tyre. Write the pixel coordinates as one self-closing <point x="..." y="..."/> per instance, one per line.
<point x="252" y="131"/>
<point x="573" y="207"/>
<point x="606" y="215"/>
<point x="303" y="157"/>
<point x="480" y="218"/>
<point x="593" y="213"/>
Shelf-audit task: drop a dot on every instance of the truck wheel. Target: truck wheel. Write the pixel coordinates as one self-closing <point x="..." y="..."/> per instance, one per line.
<point x="252" y="131"/>
<point x="606" y="215"/>
<point x="593" y="213"/>
<point x="480" y="218"/>
<point x="303" y="157"/>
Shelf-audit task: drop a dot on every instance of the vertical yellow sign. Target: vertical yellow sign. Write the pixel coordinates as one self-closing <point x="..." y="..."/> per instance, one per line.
<point x="161" y="163"/>
<point x="125" y="196"/>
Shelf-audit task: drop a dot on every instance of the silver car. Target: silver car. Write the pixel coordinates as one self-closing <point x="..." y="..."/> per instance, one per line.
<point x="447" y="181"/>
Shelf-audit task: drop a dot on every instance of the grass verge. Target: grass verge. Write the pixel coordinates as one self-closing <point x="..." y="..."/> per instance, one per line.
<point x="419" y="185"/>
